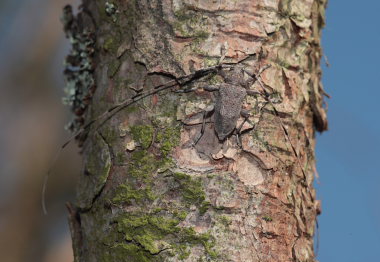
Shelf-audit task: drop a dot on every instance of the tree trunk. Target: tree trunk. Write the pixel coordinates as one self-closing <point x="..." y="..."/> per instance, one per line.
<point x="149" y="190"/>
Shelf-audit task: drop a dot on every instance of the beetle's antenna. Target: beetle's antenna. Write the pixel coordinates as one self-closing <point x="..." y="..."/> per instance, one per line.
<point x="266" y="96"/>
<point x="180" y="81"/>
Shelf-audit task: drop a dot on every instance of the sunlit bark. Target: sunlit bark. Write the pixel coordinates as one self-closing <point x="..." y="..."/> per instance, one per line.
<point x="146" y="192"/>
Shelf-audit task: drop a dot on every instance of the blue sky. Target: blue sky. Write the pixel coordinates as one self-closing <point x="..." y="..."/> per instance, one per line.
<point x="348" y="154"/>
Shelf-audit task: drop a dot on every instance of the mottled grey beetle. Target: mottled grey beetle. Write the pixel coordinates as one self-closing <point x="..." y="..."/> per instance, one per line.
<point x="229" y="100"/>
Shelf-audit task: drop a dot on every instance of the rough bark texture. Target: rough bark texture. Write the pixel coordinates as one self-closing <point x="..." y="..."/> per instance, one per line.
<point x="145" y="193"/>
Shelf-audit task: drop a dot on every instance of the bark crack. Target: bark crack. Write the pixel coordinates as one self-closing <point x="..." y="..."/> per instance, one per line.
<point x="99" y="193"/>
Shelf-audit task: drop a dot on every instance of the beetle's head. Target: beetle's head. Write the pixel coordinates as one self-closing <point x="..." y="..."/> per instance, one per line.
<point x="235" y="75"/>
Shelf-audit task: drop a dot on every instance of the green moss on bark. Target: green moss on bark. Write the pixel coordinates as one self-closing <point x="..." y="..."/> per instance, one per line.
<point x="143" y="134"/>
<point x="145" y="233"/>
<point x="126" y="193"/>
<point x="153" y="234"/>
<point x="191" y="24"/>
<point x="192" y="191"/>
<point x="127" y="252"/>
<point x="168" y="139"/>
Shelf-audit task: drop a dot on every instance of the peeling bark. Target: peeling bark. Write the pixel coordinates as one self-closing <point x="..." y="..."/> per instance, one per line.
<point x="145" y="193"/>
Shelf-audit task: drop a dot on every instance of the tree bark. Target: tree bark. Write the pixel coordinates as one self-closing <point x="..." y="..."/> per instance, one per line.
<point x="147" y="193"/>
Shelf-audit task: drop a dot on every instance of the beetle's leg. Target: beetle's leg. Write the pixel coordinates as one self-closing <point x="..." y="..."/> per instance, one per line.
<point x="205" y="114"/>
<point x="187" y="90"/>
<point x="246" y="115"/>
<point x="250" y="74"/>
<point x="253" y="92"/>
<point x="211" y="88"/>
<point x="253" y="75"/>
<point x="222" y="74"/>
<point x="196" y="140"/>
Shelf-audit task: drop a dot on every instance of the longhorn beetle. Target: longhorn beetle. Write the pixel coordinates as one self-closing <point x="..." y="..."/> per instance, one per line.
<point x="229" y="99"/>
<point x="227" y="107"/>
<point x="228" y="104"/>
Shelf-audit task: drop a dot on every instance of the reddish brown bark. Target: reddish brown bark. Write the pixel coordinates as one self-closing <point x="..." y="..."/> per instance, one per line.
<point x="146" y="194"/>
